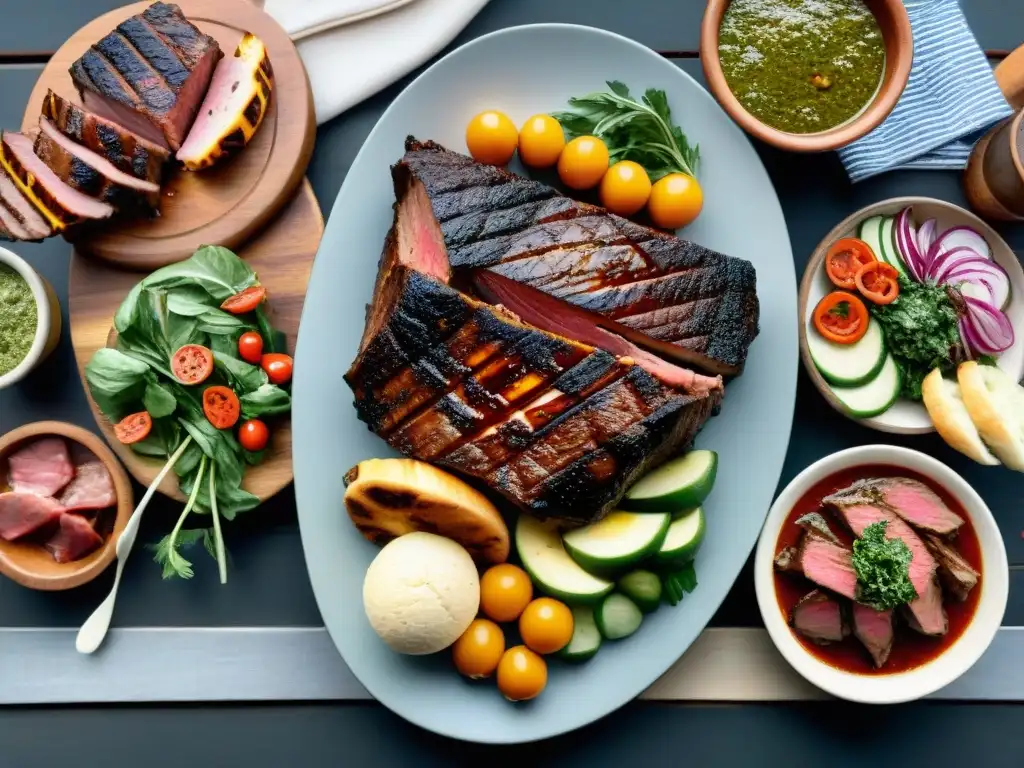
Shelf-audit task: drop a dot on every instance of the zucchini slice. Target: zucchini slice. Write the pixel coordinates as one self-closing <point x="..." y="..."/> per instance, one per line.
<point x="681" y="483"/>
<point x="617" y="617"/>
<point x="682" y="541"/>
<point x="618" y="541"/>
<point x="550" y="567"/>
<point x="643" y="588"/>
<point x="849" y="365"/>
<point x="586" y="638"/>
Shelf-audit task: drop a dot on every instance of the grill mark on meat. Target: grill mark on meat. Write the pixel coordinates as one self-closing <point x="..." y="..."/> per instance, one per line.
<point x="160" y="57"/>
<point x="18" y="212"/>
<point x="486" y="225"/>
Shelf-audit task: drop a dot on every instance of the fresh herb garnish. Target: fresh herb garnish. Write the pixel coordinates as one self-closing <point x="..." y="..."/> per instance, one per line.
<point x="842" y="309"/>
<point x="883" y="569"/>
<point x="679" y="583"/>
<point x="641" y="131"/>
<point x="921" y="332"/>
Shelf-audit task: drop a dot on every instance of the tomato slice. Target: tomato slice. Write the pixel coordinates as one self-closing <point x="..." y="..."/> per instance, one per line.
<point x="221" y="406"/>
<point x="250" y="347"/>
<point x="841" y="317"/>
<point x="192" y="364"/>
<point x="879" y="283"/>
<point x="278" y="367"/>
<point x="246" y="301"/>
<point x="133" y="428"/>
<point x="844" y="258"/>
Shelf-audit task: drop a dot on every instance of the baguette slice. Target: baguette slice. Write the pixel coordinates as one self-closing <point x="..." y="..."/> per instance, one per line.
<point x="388" y="498"/>
<point x="995" y="403"/>
<point x="945" y="405"/>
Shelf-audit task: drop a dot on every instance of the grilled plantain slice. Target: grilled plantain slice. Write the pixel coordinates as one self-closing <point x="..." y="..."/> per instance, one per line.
<point x="387" y="498"/>
<point x="234" y="107"/>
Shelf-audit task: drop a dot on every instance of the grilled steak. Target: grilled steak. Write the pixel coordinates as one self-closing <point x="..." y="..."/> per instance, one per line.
<point x="911" y="499"/>
<point x="557" y="427"/>
<point x="819" y="618"/>
<point x="828" y="565"/>
<point x="150" y="74"/>
<point x="677" y="299"/>
<point x="874" y="630"/>
<point x="125" y="150"/>
<point x="955" y="573"/>
<point x="91" y="174"/>
<point x="816" y="525"/>
<point x="18" y="217"/>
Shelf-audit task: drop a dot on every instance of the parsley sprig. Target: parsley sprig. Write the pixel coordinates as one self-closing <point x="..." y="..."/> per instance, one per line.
<point x="641" y="131"/>
<point x="883" y="569"/>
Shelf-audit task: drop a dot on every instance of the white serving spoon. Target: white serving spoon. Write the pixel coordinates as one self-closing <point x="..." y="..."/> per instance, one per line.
<point x="94" y="630"/>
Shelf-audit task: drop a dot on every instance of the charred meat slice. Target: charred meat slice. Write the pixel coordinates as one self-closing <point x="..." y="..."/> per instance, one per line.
<point x="679" y="300"/>
<point x="911" y="499"/>
<point x="816" y="525"/>
<point x="150" y="74"/>
<point x="819" y="618"/>
<point x="874" y="630"/>
<point x="955" y="573"/>
<point x="89" y="173"/>
<point x="18" y="214"/>
<point x="125" y="150"/>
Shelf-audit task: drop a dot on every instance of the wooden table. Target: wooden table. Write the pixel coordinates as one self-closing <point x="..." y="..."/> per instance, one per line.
<point x="269" y="584"/>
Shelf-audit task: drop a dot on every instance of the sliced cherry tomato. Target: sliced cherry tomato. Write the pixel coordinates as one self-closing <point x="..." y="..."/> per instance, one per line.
<point x="878" y="282"/>
<point x="133" y="428"/>
<point x="250" y="347"/>
<point x="278" y="367"/>
<point x="844" y="258"/>
<point x="221" y="406"/>
<point x="253" y="435"/>
<point x="246" y="301"/>
<point x="841" y="317"/>
<point x="192" y="364"/>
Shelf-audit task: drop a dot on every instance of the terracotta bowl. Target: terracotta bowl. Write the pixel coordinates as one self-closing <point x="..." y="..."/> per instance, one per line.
<point x="899" y="54"/>
<point x="29" y="564"/>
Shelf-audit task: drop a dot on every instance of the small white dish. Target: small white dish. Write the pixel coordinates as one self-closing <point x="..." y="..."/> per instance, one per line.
<point x="943" y="669"/>
<point x="48" y="321"/>
<point x="906" y="417"/>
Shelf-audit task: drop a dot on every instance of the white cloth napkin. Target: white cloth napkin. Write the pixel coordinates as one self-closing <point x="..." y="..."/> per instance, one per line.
<point x="355" y="60"/>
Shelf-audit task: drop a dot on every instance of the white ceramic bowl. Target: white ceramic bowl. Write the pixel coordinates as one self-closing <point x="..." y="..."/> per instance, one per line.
<point x="47" y="315"/>
<point x="955" y="660"/>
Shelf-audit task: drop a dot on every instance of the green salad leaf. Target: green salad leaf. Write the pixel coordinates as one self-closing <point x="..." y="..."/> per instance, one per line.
<point x="212" y="268"/>
<point x="883" y="569"/>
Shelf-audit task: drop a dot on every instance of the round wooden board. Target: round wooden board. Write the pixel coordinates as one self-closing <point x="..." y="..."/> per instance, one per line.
<point x="228" y="203"/>
<point x="282" y="256"/>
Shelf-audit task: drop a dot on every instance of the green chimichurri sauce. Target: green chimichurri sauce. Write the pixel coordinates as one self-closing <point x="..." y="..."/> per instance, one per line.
<point x="18" y="319"/>
<point x="801" y="66"/>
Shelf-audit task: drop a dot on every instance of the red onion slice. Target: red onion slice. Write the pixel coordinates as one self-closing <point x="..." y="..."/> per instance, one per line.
<point x="988" y="327"/>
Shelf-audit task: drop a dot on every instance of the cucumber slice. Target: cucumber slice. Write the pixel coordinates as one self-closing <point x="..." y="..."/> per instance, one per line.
<point x="643" y="588"/>
<point x="875" y="397"/>
<point x="681" y="483"/>
<point x="682" y="541"/>
<point x="849" y="365"/>
<point x="586" y="638"/>
<point x="618" y="541"/>
<point x="617" y="617"/>
<point x="887" y="241"/>
<point x="868" y="232"/>
<point x="550" y="567"/>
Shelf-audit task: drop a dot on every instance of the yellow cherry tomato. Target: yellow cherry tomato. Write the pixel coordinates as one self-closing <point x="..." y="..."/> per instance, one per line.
<point x="541" y="141"/>
<point x="546" y="625"/>
<point x="583" y="162"/>
<point x="492" y="137"/>
<point x="505" y="590"/>
<point x="522" y="674"/>
<point x="675" y="201"/>
<point x="477" y="652"/>
<point x="625" y="188"/>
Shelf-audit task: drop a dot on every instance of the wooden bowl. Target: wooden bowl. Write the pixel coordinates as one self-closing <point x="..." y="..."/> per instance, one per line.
<point x="899" y="54"/>
<point x="906" y="417"/>
<point x="29" y="564"/>
<point x="994" y="178"/>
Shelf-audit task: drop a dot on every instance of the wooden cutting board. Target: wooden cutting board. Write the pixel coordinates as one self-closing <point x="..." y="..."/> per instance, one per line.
<point x="282" y="255"/>
<point x="228" y="203"/>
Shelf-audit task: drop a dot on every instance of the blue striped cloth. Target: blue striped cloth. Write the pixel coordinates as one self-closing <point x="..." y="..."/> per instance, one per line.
<point x="951" y="98"/>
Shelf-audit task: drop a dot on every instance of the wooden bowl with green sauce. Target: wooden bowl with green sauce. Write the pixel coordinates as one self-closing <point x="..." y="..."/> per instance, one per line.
<point x="30" y="321"/>
<point x="807" y="75"/>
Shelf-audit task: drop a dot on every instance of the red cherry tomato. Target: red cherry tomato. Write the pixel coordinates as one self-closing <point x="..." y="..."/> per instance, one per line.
<point x="246" y="301"/>
<point x="278" y="367"/>
<point x="250" y="347"/>
<point x="221" y="406"/>
<point x="133" y="428"/>
<point x="192" y="364"/>
<point x="253" y="435"/>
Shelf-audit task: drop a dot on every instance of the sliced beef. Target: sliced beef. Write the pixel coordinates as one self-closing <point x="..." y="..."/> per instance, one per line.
<point x="18" y="214"/>
<point x="819" y="617"/>
<point x="666" y="295"/>
<point x="874" y="630"/>
<point x="911" y="499"/>
<point x="926" y="613"/>
<point x="150" y="74"/>
<point x="42" y="467"/>
<point x="828" y="565"/>
<point x="788" y="560"/>
<point x="10" y="228"/>
<point x="126" y="151"/>
<point x="56" y="201"/>
<point x="815" y="524"/>
<point x="956" y="574"/>
<point x="91" y="488"/>
<point x="74" y="538"/>
<point x="23" y="513"/>
<point x="91" y="174"/>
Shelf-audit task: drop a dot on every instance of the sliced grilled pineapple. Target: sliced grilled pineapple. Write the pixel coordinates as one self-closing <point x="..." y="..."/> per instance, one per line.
<point x="234" y="107"/>
<point x="387" y="498"/>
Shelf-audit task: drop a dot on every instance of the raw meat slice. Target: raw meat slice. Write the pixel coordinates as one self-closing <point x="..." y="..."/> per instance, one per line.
<point x="91" y="488"/>
<point x="23" y="513"/>
<point x="42" y="467"/>
<point x="74" y="539"/>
